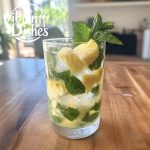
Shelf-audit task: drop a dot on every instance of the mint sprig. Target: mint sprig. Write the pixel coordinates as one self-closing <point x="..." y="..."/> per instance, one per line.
<point x="68" y="112"/>
<point x="98" y="32"/>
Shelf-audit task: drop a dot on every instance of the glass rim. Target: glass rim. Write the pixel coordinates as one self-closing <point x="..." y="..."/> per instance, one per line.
<point x="52" y="39"/>
<point x="58" y="41"/>
<point x="61" y="41"/>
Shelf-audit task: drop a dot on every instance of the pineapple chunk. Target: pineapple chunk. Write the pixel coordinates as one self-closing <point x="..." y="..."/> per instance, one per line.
<point x="70" y="59"/>
<point x="56" y="88"/>
<point x="89" y="80"/>
<point x="87" y="52"/>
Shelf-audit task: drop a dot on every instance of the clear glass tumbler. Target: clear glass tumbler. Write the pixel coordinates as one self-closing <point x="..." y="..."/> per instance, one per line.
<point x="74" y="86"/>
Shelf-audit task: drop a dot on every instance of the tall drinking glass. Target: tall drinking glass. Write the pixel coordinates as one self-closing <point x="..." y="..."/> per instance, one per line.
<point x="74" y="86"/>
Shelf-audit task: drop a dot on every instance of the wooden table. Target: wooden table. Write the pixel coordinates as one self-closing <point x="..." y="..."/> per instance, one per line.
<point x="125" y="112"/>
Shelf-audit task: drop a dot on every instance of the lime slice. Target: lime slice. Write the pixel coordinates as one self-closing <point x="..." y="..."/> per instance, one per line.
<point x="55" y="88"/>
<point x="92" y="79"/>
<point x="87" y="52"/>
<point x="68" y="56"/>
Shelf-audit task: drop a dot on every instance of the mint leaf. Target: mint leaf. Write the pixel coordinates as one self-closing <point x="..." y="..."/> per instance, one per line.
<point x="106" y="26"/>
<point x="51" y="62"/>
<point x="97" y="21"/>
<point x="99" y="31"/>
<point x="102" y="36"/>
<point x="90" y="117"/>
<point x="65" y="75"/>
<point x="96" y="64"/>
<point x="71" y="113"/>
<point x="96" y="107"/>
<point x="98" y="61"/>
<point x="61" y="107"/>
<point x="68" y="112"/>
<point x="81" y="32"/>
<point x="73" y="85"/>
<point x="92" y="114"/>
<point x="57" y="119"/>
<point x="95" y="89"/>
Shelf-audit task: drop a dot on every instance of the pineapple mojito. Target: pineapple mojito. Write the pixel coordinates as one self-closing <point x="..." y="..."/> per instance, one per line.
<point x="75" y="71"/>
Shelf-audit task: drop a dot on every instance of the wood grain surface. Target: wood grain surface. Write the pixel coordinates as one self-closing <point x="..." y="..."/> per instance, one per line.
<point x="125" y="111"/>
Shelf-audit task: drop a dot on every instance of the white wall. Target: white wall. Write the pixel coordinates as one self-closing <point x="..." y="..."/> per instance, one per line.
<point x="123" y="16"/>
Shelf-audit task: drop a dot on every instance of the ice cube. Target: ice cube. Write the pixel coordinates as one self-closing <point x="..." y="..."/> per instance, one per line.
<point x="60" y="66"/>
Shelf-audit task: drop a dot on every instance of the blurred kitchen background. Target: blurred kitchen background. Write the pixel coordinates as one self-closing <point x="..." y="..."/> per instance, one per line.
<point x="131" y="19"/>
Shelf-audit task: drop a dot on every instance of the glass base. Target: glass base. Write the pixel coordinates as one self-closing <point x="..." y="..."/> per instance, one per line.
<point x="77" y="133"/>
